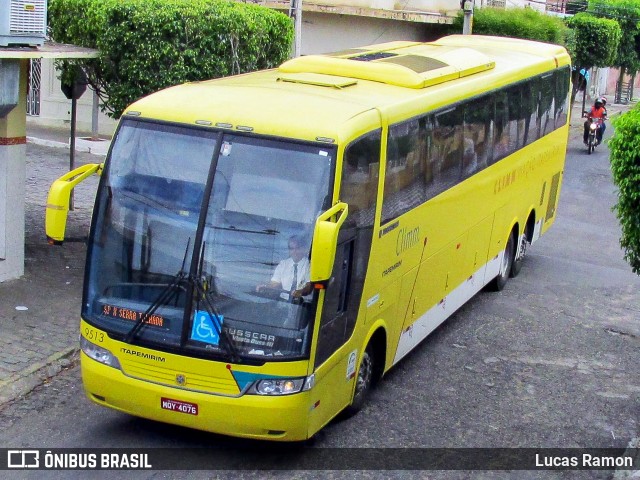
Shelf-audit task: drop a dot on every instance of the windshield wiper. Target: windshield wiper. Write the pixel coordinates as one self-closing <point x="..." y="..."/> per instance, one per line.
<point x="163" y="298"/>
<point x="204" y="293"/>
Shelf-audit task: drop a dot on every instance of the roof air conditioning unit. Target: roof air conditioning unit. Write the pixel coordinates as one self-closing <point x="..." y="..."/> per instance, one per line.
<point x="23" y="22"/>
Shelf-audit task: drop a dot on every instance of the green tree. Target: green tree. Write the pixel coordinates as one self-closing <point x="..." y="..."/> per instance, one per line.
<point x="624" y="149"/>
<point x="147" y="45"/>
<point x="595" y="43"/>
<point x="515" y="22"/>
<point x="627" y="14"/>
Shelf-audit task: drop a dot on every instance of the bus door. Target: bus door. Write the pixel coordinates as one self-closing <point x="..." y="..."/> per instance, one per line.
<point x="334" y="373"/>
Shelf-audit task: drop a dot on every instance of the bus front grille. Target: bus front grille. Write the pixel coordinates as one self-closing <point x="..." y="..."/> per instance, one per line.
<point x="223" y="384"/>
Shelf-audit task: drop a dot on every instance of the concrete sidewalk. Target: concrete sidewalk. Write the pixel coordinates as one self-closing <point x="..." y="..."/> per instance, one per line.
<point x="59" y="137"/>
<point x="40" y="312"/>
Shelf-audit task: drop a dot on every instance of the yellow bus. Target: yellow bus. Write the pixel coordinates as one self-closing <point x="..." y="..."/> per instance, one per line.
<point x="264" y="247"/>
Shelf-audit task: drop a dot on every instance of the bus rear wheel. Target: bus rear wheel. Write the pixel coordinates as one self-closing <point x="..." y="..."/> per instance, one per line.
<point x="364" y="381"/>
<point x="506" y="264"/>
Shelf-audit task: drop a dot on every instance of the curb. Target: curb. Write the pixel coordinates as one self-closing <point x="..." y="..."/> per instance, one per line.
<point x="82" y="145"/>
<point x="25" y="381"/>
<point x="47" y="143"/>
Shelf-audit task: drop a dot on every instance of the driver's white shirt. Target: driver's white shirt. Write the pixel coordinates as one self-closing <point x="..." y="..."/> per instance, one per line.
<point x="283" y="274"/>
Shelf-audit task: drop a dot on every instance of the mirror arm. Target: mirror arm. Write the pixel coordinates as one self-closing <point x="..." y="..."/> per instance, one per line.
<point x="58" y="200"/>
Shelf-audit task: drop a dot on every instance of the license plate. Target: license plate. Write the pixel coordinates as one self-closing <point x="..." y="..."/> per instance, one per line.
<point x="179" y="406"/>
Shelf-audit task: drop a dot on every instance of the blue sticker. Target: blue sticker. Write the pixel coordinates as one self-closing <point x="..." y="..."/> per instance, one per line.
<point x="203" y="329"/>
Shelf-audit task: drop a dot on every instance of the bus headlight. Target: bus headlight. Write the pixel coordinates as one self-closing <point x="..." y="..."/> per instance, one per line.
<point x="99" y="354"/>
<point x="282" y="386"/>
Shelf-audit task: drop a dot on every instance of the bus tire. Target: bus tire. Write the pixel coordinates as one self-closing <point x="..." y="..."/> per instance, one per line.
<point x="364" y="381"/>
<point x="498" y="283"/>
<point x="519" y="260"/>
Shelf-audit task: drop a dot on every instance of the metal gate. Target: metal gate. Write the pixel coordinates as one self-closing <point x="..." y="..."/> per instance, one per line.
<point x="624" y="92"/>
<point x="33" y="94"/>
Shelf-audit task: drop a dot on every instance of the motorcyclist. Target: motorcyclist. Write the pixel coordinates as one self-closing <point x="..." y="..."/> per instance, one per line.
<point x="604" y="105"/>
<point x="597" y="112"/>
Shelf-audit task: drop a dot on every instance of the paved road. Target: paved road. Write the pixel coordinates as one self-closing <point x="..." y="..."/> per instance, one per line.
<point x="551" y="361"/>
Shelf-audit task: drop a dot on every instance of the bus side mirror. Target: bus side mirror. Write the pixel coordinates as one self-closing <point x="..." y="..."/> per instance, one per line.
<point x="325" y="241"/>
<point x="58" y="200"/>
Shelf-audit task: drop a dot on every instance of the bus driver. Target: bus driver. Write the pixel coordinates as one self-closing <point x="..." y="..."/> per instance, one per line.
<point x="292" y="273"/>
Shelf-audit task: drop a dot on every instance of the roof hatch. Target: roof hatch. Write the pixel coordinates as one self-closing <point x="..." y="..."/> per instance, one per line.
<point x="405" y="64"/>
<point x="318" y="80"/>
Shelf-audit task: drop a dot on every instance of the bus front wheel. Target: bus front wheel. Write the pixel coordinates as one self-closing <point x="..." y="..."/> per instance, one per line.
<point x="364" y="381"/>
<point x="506" y="264"/>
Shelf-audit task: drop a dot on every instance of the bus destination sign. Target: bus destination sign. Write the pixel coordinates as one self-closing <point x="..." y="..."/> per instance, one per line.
<point x="128" y="314"/>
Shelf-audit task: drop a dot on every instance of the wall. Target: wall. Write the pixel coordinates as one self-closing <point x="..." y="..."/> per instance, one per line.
<point x="12" y="180"/>
<point x="324" y="33"/>
<point x="407" y="5"/>
<point x="612" y="80"/>
<point x="55" y="108"/>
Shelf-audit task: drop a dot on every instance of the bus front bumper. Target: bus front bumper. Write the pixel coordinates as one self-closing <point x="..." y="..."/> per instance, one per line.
<point x="278" y="418"/>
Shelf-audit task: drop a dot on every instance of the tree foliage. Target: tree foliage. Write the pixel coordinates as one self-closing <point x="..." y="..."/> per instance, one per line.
<point x="625" y="166"/>
<point x="627" y="14"/>
<point x="595" y="44"/>
<point x="147" y="45"/>
<point x="515" y="22"/>
<point x="596" y="40"/>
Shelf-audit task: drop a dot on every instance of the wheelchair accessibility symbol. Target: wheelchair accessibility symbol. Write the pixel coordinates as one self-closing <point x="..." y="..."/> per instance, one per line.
<point x="203" y="329"/>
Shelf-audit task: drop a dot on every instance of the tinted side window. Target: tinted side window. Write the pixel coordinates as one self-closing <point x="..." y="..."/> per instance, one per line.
<point x="547" y="103"/>
<point x="448" y="147"/>
<point x="530" y="103"/>
<point x="407" y="147"/>
<point x="517" y="114"/>
<point x="360" y="178"/>
<point x="478" y="135"/>
<point x="561" y="106"/>
<point x="501" y="127"/>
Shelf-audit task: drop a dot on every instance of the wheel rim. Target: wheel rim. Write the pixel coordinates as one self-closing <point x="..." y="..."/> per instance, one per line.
<point x="523" y="247"/>
<point x="506" y="259"/>
<point x="364" y="375"/>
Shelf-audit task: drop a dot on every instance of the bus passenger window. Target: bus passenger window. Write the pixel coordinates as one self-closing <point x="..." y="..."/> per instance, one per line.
<point x="404" y="186"/>
<point x="517" y="115"/>
<point x="509" y="125"/>
<point x="546" y="107"/>
<point x="530" y="104"/>
<point x="561" y="104"/>
<point x="478" y="135"/>
<point x="449" y="145"/>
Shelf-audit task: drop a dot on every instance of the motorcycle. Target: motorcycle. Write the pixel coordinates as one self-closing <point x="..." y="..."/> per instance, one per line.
<point x="593" y="125"/>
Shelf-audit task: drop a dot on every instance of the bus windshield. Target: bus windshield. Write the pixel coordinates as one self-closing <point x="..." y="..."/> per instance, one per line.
<point x="232" y="300"/>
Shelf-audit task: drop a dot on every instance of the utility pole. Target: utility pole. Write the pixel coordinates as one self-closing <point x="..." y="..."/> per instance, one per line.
<point x="467" y="7"/>
<point x="295" y="12"/>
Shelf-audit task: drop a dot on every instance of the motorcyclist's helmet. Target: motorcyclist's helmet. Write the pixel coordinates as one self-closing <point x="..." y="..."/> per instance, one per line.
<point x="604" y="101"/>
<point x="598" y="103"/>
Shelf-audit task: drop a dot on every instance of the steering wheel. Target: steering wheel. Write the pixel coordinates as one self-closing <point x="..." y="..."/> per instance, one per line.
<point x="278" y="294"/>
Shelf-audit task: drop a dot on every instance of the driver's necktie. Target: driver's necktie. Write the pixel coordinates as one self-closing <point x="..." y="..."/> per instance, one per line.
<point x="294" y="284"/>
